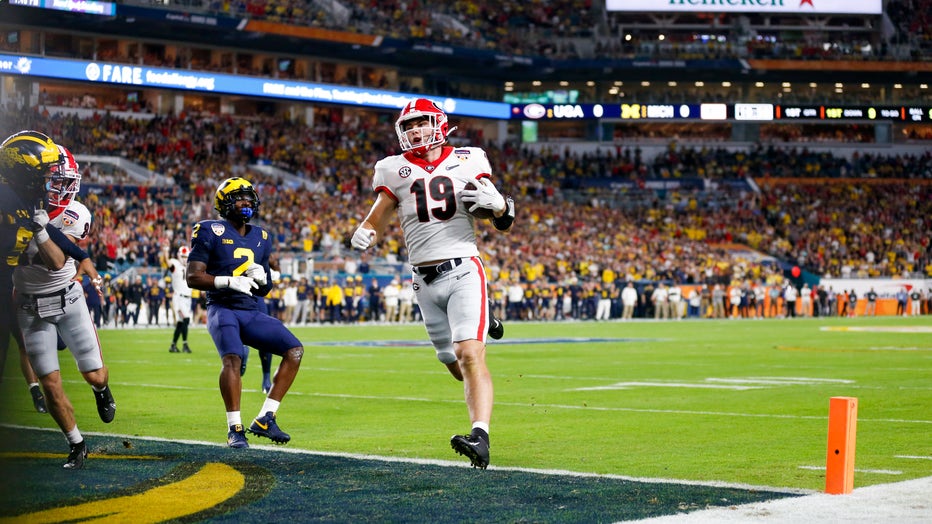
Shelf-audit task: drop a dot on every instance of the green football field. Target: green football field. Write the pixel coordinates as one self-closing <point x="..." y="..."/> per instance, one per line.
<point x="740" y="402"/>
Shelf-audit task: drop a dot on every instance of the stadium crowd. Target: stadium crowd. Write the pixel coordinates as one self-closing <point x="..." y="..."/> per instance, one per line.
<point x="566" y="29"/>
<point x="572" y="234"/>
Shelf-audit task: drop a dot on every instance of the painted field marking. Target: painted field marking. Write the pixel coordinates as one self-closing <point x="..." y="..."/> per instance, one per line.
<point x="213" y="484"/>
<point x="879" y="329"/>
<point x="459" y="402"/>
<point x="858" y="470"/>
<point x="629" y="385"/>
<point x="511" y="341"/>
<point x="734" y="383"/>
<point x="912" y="457"/>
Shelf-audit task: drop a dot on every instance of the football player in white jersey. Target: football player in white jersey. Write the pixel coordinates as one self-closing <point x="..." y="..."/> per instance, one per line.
<point x="49" y="304"/>
<point x="426" y="187"/>
<point x="181" y="299"/>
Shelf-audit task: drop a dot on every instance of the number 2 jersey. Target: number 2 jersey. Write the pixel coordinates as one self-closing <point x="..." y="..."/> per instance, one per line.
<point x="219" y="245"/>
<point x="434" y="220"/>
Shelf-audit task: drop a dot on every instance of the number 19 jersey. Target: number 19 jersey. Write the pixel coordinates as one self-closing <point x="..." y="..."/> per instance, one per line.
<point x="434" y="220"/>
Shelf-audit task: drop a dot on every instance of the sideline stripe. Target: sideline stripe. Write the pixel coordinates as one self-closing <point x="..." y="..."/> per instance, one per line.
<point x="450" y="463"/>
<point x="539" y="406"/>
<point x="878" y="471"/>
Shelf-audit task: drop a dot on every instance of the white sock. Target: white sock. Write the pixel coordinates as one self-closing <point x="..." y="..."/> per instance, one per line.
<point x="33" y="384"/>
<point x="74" y="436"/>
<point x="484" y="426"/>
<point x="233" y="418"/>
<point x="269" y="405"/>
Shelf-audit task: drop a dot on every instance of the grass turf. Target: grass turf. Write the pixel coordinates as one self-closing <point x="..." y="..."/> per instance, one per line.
<point x="727" y="401"/>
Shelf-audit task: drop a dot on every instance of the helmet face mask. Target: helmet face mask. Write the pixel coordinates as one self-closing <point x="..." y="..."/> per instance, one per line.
<point x="231" y="191"/>
<point x="27" y="160"/>
<point x="64" y="183"/>
<point x="421" y="126"/>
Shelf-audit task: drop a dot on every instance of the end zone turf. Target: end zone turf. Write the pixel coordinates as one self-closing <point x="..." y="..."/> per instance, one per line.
<point x="148" y="480"/>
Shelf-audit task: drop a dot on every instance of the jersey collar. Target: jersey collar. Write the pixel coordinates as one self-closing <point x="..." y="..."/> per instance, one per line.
<point x="430" y="167"/>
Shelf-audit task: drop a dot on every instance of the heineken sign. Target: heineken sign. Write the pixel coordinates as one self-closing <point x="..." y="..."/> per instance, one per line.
<point x="802" y="7"/>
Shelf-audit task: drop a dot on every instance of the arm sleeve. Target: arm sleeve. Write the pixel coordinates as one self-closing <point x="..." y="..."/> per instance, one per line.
<point x="67" y="246"/>
<point x="503" y="223"/>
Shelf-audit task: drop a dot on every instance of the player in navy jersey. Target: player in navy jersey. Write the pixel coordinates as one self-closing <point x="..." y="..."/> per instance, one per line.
<point x="230" y="260"/>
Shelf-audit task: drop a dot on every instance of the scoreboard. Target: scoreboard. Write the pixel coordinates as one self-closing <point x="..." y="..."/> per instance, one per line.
<point x="714" y="111"/>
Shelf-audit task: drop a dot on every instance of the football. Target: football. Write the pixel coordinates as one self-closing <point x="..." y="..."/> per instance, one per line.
<point x="479" y="212"/>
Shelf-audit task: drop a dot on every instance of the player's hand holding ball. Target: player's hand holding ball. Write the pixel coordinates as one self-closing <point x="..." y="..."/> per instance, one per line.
<point x="485" y="200"/>
<point x="363" y="238"/>
<point x="257" y="273"/>
<point x="241" y="284"/>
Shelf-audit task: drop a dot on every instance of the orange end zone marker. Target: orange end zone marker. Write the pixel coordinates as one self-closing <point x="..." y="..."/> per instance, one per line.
<point x="842" y="429"/>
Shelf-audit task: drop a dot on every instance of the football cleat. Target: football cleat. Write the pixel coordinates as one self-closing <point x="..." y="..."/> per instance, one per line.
<point x="236" y="438"/>
<point x="38" y="399"/>
<point x="473" y="447"/>
<point x="185" y="348"/>
<point x="496" y="328"/>
<point x="76" y="456"/>
<point x="106" y="407"/>
<point x="265" y="426"/>
<point x="173" y="348"/>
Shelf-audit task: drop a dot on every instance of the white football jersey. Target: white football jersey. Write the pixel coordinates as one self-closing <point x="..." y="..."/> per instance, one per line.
<point x="36" y="279"/>
<point x="434" y="220"/>
<point x="179" y="278"/>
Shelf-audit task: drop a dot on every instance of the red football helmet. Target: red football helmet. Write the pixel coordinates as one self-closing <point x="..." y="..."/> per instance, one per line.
<point x="64" y="183"/>
<point x="437" y="120"/>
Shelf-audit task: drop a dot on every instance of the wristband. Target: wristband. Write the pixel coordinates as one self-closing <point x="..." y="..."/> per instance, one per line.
<point x="504" y="222"/>
<point x="41" y="236"/>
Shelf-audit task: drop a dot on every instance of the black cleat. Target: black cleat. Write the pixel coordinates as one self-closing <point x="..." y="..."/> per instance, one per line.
<point x="76" y="456"/>
<point x="38" y="399"/>
<point x="496" y="328"/>
<point x="473" y="447"/>
<point x="106" y="407"/>
<point x="173" y="349"/>
<point x="236" y="438"/>
<point x="265" y="426"/>
<point x="185" y="348"/>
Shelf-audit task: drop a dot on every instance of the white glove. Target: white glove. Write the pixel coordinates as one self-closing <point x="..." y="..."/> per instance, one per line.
<point x="363" y="238"/>
<point x="485" y="195"/>
<point x="241" y="284"/>
<point x="41" y="219"/>
<point x="257" y="273"/>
